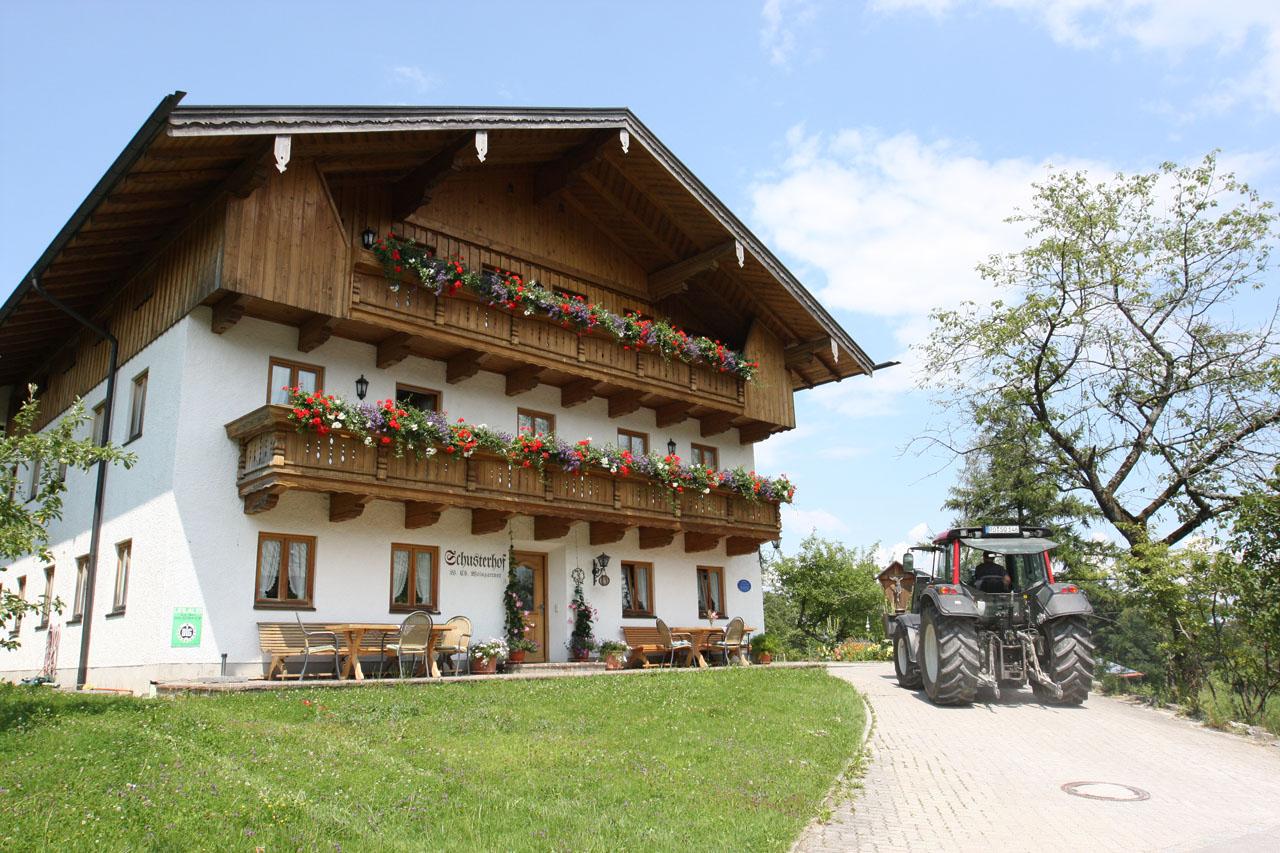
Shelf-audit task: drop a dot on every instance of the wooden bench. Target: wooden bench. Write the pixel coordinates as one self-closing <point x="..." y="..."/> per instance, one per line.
<point x="643" y="641"/>
<point x="283" y="640"/>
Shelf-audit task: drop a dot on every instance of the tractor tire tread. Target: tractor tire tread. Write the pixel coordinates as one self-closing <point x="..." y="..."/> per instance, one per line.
<point x="1070" y="659"/>
<point x="958" y="661"/>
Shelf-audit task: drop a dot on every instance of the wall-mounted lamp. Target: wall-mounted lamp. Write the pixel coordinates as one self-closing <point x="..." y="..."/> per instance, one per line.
<point x="362" y="387"/>
<point x="777" y="544"/>
<point x="598" y="566"/>
<point x="671" y="447"/>
<point x="367" y="237"/>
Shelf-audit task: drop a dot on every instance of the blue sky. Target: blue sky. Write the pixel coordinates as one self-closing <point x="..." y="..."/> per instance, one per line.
<point x="875" y="147"/>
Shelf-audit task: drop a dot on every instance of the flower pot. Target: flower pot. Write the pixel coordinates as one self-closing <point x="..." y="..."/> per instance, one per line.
<point x="612" y="661"/>
<point x="484" y="666"/>
<point x="516" y="656"/>
<point x="579" y="655"/>
<point x="764" y="657"/>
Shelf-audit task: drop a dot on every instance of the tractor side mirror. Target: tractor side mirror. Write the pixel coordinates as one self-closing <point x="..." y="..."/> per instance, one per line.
<point x="909" y="562"/>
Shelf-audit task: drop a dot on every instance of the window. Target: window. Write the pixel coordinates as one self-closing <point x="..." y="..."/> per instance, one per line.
<point x="82" y="588"/>
<point x="47" y="603"/>
<point x="423" y="399"/>
<point x="22" y="596"/>
<point x="528" y="420"/>
<point x="637" y="589"/>
<point x="124" y="557"/>
<point x="99" y="422"/>
<point x="33" y="487"/>
<point x="286" y="570"/>
<point x="570" y="294"/>
<point x="636" y="442"/>
<point x="710" y="590"/>
<point x="137" y="405"/>
<point x="413" y="577"/>
<point x="708" y="457"/>
<point x="286" y="374"/>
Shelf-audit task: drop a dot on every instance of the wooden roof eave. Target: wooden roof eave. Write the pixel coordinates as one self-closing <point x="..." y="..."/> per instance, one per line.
<point x="138" y="145"/>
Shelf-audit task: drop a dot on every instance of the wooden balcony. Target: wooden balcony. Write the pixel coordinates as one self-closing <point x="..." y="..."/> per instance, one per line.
<point x="275" y="457"/>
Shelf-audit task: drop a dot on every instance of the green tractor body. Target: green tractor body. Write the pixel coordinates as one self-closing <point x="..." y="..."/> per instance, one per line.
<point x="987" y="612"/>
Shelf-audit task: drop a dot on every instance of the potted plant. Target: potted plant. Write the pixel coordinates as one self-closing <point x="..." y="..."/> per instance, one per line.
<point x="485" y="655"/>
<point x="763" y="648"/>
<point x="582" y="615"/>
<point x="518" y="648"/>
<point x="611" y="652"/>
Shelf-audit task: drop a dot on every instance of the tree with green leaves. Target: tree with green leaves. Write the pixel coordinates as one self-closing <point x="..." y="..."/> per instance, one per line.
<point x="1115" y="342"/>
<point x="28" y="504"/>
<point x="823" y="595"/>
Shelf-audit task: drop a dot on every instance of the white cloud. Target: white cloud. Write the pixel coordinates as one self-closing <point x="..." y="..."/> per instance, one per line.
<point x="916" y="535"/>
<point x="799" y="523"/>
<point x="895" y="225"/>
<point x="416" y="78"/>
<point x="1172" y="27"/>
<point x="780" y="21"/>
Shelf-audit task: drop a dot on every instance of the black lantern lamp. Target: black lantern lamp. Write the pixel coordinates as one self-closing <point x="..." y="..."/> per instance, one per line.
<point x="671" y="447"/>
<point x="367" y="237"/>
<point x="598" y="567"/>
<point x="362" y="386"/>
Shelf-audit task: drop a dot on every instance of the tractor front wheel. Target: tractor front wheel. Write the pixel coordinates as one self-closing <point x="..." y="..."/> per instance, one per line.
<point x="908" y="672"/>
<point x="1068" y="660"/>
<point x="948" y="658"/>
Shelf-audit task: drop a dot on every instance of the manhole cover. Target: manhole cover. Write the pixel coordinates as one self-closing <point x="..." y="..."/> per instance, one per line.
<point x="1106" y="791"/>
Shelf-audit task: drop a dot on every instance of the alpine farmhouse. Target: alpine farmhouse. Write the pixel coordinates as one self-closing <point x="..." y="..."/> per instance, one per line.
<point x="530" y="272"/>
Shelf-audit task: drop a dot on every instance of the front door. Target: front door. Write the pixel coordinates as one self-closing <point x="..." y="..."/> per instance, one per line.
<point x="531" y="586"/>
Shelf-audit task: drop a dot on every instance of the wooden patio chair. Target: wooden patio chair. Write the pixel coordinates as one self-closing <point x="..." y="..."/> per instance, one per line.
<point x="317" y="641"/>
<point x="732" y="642"/>
<point x="456" y="641"/>
<point x="674" y="642"/>
<point x="410" y="642"/>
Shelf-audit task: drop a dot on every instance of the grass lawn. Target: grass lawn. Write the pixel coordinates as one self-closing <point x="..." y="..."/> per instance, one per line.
<point x="737" y="758"/>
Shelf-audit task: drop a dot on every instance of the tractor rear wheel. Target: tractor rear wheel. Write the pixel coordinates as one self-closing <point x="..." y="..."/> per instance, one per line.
<point x="1068" y="660"/>
<point x="908" y="672"/>
<point x="948" y="658"/>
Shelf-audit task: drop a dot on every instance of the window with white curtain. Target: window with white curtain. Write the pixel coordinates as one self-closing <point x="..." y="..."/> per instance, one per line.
<point x="414" y="577"/>
<point x="286" y="570"/>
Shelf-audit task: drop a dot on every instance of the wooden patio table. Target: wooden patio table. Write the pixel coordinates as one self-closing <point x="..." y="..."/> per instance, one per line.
<point x="354" y="632"/>
<point x="701" y="636"/>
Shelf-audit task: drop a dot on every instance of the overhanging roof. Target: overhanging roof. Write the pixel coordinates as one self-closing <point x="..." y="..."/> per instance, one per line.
<point x="183" y="154"/>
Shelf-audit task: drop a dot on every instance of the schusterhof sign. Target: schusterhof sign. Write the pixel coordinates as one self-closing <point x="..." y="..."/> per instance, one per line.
<point x="476" y="565"/>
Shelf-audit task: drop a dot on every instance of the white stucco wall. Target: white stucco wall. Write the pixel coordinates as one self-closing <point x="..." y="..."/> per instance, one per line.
<point x="193" y="545"/>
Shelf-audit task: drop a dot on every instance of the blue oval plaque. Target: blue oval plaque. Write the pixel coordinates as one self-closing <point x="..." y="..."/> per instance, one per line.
<point x="744" y="585"/>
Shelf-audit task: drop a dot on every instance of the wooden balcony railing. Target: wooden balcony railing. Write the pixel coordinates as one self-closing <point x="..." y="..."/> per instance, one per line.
<point x="532" y="339"/>
<point x="275" y="457"/>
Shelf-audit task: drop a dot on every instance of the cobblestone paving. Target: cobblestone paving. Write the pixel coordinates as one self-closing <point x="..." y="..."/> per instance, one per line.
<point x="988" y="777"/>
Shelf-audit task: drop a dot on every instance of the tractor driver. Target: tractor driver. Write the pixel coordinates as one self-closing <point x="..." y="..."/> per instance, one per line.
<point x="990" y="576"/>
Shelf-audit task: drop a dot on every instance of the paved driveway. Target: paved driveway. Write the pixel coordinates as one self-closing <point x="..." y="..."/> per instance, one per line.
<point x="988" y="777"/>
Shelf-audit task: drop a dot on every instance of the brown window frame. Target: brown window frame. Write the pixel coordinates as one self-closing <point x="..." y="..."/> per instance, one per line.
<point x="628" y="575"/>
<point x="632" y="434"/>
<point x="417" y="389"/>
<point x="120" y="589"/>
<point x="99" y="422"/>
<point x="46" y="606"/>
<point x="570" y="294"/>
<point x="412" y="580"/>
<point x="533" y="415"/>
<point x="706" y="570"/>
<point x="703" y="449"/>
<point x="22" y="596"/>
<point x="273" y="361"/>
<point x="138" y="405"/>
<point x="82" y="576"/>
<point x="33" y="485"/>
<point x="285" y="603"/>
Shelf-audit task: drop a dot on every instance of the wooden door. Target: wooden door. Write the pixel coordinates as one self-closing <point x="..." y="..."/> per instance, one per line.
<point x="531" y="581"/>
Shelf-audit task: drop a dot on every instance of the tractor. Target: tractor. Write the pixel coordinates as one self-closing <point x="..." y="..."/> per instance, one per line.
<point x="988" y="613"/>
